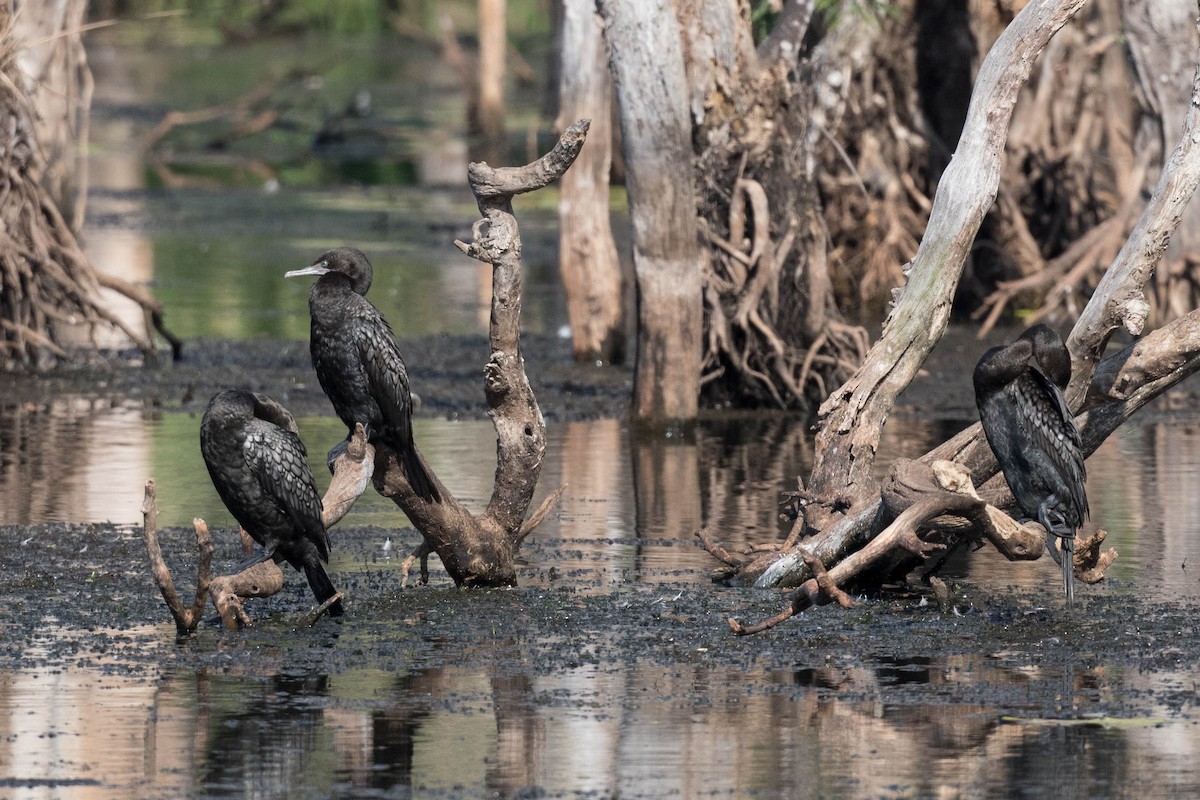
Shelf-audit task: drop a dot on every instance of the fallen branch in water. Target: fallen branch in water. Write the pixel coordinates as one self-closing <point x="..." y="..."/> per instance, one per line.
<point x="932" y="508"/>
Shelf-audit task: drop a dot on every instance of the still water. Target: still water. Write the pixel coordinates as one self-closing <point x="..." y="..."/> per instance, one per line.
<point x="96" y="725"/>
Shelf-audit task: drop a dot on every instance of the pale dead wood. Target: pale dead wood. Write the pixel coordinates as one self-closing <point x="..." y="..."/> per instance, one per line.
<point x="351" y="475"/>
<point x="421" y="554"/>
<point x="543" y="510"/>
<point x="916" y="495"/>
<point x="1122" y="384"/>
<point x="264" y="579"/>
<point x="186" y="619"/>
<point x="852" y="418"/>
<point x="1119" y="300"/>
<point x="479" y="550"/>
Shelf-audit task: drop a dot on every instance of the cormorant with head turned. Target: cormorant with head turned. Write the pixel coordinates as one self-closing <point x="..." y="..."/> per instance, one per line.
<point x="258" y="465"/>
<point x="1033" y="435"/>
<point x="358" y="362"/>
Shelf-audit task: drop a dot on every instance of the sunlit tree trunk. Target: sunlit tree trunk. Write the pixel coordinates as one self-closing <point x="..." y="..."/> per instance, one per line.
<point x="493" y="42"/>
<point x="587" y="255"/>
<point x="646" y="59"/>
<point x="54" y="62"/>
<point x="46" y="282"/>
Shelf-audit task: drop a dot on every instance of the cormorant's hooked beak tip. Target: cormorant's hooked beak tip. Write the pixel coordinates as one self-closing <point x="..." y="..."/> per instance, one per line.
<point x="315" y="269"/>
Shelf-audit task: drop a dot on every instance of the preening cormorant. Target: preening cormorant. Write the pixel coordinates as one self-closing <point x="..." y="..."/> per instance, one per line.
<point x="358" y="362"/>
<point x="257" y="464"/>
<point x="1033" y="435"/>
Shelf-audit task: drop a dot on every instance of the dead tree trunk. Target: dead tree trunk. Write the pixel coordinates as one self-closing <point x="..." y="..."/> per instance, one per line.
<point x="479" y="550"/>
<point x="493" y="48"/>
<point x="843" y="508"/>
<point x="647" y="65"/>
<point x="1162" y="40"/>
<point x="587" y="255"/>
<point x="476" y="550"/>
<point x="852" y="418"/>
<point x="46" y="282"/>
<point x="54" y="59"/>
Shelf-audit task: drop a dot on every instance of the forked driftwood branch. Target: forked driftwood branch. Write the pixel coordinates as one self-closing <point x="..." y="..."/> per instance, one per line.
<point x="186" y="619"/>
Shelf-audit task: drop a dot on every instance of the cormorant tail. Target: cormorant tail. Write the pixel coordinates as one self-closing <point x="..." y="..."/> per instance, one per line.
<point x="322" y="587"/>
<point x="418" y="477"/>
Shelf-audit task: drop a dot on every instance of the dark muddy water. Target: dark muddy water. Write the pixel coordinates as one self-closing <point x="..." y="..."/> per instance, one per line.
<point x="609" y="673"/>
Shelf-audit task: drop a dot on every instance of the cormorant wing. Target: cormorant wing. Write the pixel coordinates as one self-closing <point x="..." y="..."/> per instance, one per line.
<point x="1053" y="429"/>
<point x="387" y="376"/>
<point x="278" y="460"/>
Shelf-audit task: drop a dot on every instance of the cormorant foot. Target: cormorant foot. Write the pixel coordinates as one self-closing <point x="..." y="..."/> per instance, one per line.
<point x="336" y="451"/>
<point x="259" y="555"/>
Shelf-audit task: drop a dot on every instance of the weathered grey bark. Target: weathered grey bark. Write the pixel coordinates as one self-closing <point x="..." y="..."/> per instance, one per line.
<point x="852" y="419"/>
<point x="55" y="62"/>
<point x="587" y="254"/>
<point x="479" y="550"/>
<point x="1120" y="298"/>
<point x="1162" y="40"/>
<point x="647" y="65"/>
<point x="1111" y="391"/>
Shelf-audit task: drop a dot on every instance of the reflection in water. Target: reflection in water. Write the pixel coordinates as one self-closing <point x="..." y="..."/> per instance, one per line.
<point x="632" y="504"/>
<point x="632" y="730"/>
<point x="58" y="460"/>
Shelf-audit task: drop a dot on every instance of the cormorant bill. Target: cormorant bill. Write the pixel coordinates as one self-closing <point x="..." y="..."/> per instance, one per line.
<point x="1033" y="434"/>
<point x="358" y="362"/>
<point x="258" y="465"/>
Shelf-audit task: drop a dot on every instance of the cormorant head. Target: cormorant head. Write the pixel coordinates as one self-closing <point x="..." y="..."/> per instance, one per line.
<point x="230" y="404"/>
<point x="348" y="261"/>
<point x="1050" y="353"/>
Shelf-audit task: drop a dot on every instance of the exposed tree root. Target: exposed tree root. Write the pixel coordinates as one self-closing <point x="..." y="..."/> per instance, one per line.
<point x="46" y="282"/>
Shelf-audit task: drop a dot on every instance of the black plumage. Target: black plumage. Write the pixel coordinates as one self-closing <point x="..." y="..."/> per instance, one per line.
<point x="258" y="465"/>
<point x="358" y="362"/>
<point x="1033" y="434"/>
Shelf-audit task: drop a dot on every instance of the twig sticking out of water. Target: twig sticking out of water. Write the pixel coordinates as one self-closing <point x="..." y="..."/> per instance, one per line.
<point x="186" y="619"/>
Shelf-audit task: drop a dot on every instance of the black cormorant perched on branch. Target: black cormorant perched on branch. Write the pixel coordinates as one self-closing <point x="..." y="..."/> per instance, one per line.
<point x="357" y="360"/>
<point x="258" y="465"/>
<point x="1033" y="435"/>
